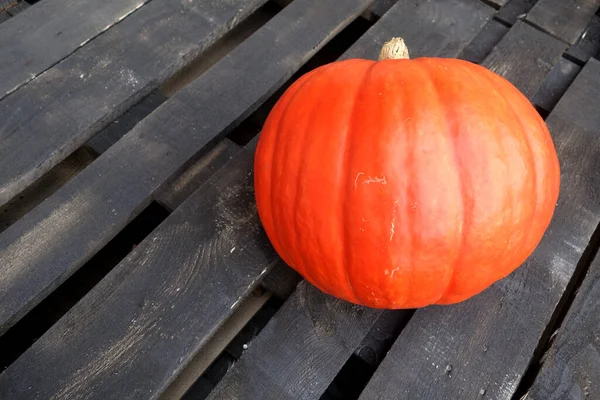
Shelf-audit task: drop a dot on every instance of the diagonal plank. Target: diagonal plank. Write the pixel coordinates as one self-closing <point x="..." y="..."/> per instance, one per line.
<point x="440" y="28"/>
<point x="131" y="335"/>
<point x="306" y="344"/>
<point x="56" y="113"/>
<point x="485" y="344"/>
<point x="564" y="19"/>
<point x="56" y="238"/>
<point x="300" y="351"/>
<point x="571" y="368"/>
<point x="49" y="32"/>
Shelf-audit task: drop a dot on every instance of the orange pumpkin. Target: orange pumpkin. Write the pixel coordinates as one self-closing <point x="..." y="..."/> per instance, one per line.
<point x="402" y="183"/>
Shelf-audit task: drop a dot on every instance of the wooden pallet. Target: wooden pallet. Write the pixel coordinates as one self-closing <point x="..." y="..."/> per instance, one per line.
<point x="132" y="260"/>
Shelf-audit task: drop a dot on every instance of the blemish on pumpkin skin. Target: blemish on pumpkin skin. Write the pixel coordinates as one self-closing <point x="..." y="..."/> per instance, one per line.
<point x="369" y="180"/>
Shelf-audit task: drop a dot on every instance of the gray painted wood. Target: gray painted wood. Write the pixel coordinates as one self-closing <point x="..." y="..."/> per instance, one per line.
<point x="485" y="344"/>
<point x="571" y="367"/>
<point x="588" y="44"/>
<point x="556" y="84"/>
<point x="62" y="233"/>
<point x="18" y="7"/>
<point x="281" y="281"/>
<point x="59" y="111"/>
<point x="525" y="56"/>
<point x="300" y="351"/>
<point x="564" y="19"/>
<point x="484" y="42"/>
<point x="196" y="173"/>
<point x="130" y="336"/>
<point x="514" y="10"/>
<point x="439" y="28"/>
<point x="51" y="31"/>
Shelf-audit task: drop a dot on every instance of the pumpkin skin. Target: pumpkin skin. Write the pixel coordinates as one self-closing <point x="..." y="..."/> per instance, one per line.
<point x="404" y="183"/>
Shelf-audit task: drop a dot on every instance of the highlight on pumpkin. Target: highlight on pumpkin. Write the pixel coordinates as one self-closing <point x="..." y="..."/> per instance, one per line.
<point x="404" y="184"/>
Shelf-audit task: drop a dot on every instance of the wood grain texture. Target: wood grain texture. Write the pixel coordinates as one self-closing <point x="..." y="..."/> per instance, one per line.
<point x="281" y="281"/>
<point x="564" y="19"/>
<point x="484" y="42"/>
<point x="196" y="173"/>
<point x="55" y="239"/>
<point x="60" y="110"/>
<point x="114" y="131"/>
<point x="300" y="351"/>
<point x="132" y="334"/>
<point x="51" y="31"/>
<point x="571" y="368"/>
<point x="485" y="344"/>
<point x="18" y="7"/>
<point x="440" y="28"/>
<point x="514" y="10"/>
<point x="588" y="44"/>
<point x="525" y="56"/>
<point x="556" y="84"/>
<point x="380" y="7"/>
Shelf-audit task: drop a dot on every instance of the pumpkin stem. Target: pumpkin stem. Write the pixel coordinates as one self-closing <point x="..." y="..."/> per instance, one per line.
<point x="395" y="49"/>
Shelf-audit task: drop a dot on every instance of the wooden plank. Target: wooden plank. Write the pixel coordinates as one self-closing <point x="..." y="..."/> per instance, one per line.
<point x="564" y="19"/>
<point x="136" y="330"/>
<point x="571" y="367"/>
<point x="496" y="3"/>
<point x="198" y="172"/>
<point x="17" y="8"/>
<point x="484" y="42"/>
<point x="514" y="10"/>
<point x="4" y="16"/>
<point x="525" y="56"/>
<point x="51" y="31"/>
<point x="56" y="238"/>
<point x="482" y="347"/>
<point x="216" y="344"/>
<point x="588" y="44"/>
<point x="114" y="131"/>
<point x="300" y="351"/>
<point x="439" y="28"/>
<point x="73" y="100"/>
<point x="556" y="84"/>
<point x="281" y="281"/>
<point x="380" y="7"/>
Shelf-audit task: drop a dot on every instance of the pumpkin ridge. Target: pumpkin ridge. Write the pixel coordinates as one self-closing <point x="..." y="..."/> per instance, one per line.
<point x="300" y="172"/>
<point x="344" y="178"/>
<point x="276" y="147"/>
<point x="531" y="157"/>
<point x="466" y="210"/>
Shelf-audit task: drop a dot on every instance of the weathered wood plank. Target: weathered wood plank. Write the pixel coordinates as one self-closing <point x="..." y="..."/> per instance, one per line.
<point x="300" y="351"/>
<point x="4" y="16"/>
<point x="17" y="8"/>
<point x="281" y="281"/>
<point x="215" y="345"/>
<point x="60" y="110"/>
<point x="525" y="56"/>
<point x="484" y="42"/>
<point x="439" y="28"/>
<point x="132" y="334"/>
<point x="56" y="238"/>
<point x="588" y="44"/>
<point x="484" y="345"/>
<point x="49" y="32"/>
<point x="514" y="10"/>
<point x="564" y="19"/>
<point x="571" y="367"/>
<point x="194" y="175"/>
<point x="556" y="84"/>
<point x="114" y="131"/>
